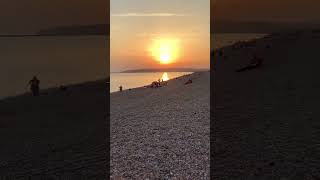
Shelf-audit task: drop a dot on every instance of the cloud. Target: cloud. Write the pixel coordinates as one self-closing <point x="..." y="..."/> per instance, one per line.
<point x="185" y="35"/>
<point x="148" y="15"/>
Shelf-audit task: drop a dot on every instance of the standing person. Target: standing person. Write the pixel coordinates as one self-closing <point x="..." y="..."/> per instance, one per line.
<point x="120" y="88"/>
<point x="34" y="86"/>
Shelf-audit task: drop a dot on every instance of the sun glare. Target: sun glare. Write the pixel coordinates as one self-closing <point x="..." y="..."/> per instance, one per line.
<point x="165" y="76"/>
<point x="165" y="51"/>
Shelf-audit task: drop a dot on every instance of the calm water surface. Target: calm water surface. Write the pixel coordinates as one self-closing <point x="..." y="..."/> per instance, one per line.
<point x="55" y="60"/>
<point x="221" y="40"/>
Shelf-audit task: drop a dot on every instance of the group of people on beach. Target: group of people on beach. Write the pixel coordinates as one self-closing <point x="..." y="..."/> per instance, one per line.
<point x="154" y="84"/>
<point x="157" y="84"/>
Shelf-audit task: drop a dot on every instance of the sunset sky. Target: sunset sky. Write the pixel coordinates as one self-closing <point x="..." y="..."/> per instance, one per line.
<point x="26" y="16"/>
<point x="155" y="34"/>
<point x="267" y="11"/>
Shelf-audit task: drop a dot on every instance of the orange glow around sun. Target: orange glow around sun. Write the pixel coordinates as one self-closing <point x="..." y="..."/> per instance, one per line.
<point x="165" y="51"/>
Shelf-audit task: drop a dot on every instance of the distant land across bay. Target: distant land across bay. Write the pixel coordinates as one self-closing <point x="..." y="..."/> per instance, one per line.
<point x="163" y="70"/>
<point x="97" y="29"/>
<point x="227" y="26"/>
<point x="86" y="30"/>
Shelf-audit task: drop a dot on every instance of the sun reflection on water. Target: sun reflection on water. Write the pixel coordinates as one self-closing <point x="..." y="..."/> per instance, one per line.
<point x="165" y="77"/>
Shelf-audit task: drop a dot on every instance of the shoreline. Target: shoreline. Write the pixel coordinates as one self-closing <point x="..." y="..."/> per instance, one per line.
<point x="243" y="41"/>
<point x="145" y="86"/>
<point x="45" y="91"/>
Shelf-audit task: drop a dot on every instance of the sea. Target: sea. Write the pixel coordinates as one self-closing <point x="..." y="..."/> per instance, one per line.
<point x="221" y="40"/>
<point x="64" y="60"/>
<point x="55" y="60"/>
<point x="134" y="80"/>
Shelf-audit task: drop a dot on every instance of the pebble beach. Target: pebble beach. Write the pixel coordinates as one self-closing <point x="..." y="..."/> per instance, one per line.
<point x="162" y="133"/>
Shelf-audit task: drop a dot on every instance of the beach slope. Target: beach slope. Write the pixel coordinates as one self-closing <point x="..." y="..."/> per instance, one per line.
<point x="265" y="122"/>
<point x="60" y="134"/>
<point x="162" y="132"/>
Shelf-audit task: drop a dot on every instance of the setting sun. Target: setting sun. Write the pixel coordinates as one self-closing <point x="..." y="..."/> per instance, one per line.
<point x="165" y="51"/>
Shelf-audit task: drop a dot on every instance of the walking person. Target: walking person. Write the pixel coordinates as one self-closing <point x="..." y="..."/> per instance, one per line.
<point x="34" y="86"/>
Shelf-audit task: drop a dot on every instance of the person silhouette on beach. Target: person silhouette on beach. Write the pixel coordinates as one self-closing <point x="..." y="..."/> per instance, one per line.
<point x="34" y="86"/>
<point x="120" y="88"/>
<point x="188" y="82"/>
<point x="255" y="62"/>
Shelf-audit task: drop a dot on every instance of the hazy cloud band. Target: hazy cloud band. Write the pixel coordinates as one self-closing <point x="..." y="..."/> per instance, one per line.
<point x="147" y="15"/>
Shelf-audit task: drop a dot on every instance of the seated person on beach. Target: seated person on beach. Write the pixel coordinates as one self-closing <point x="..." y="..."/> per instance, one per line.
<point x="155" y="84"/>
<point x="188" y="82"/>
<point x="255" y="62"/>
<point x="34" y="86"/>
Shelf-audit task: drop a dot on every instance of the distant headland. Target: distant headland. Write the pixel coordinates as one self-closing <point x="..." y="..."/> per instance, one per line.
<point x="227" y="26"/>
<point x="164" y="70"/>
<point x="76" y="30"/>
<point x="97" y="29"/>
